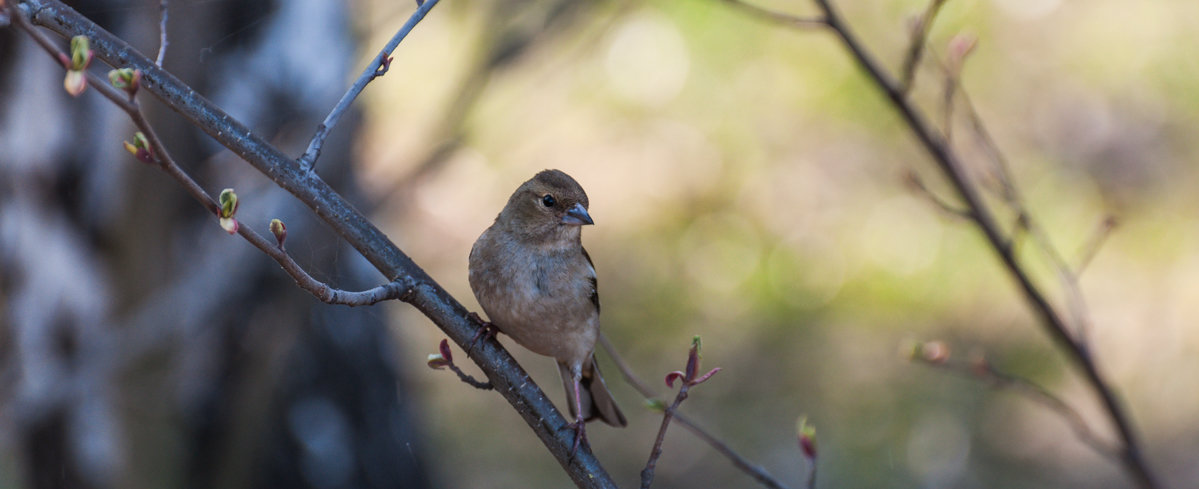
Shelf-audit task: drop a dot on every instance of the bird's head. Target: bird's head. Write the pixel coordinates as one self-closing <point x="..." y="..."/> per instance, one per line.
<point x="551" y="206"/>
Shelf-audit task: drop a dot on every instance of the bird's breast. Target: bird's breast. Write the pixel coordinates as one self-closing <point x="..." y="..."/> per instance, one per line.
<point x="540" y="300"/>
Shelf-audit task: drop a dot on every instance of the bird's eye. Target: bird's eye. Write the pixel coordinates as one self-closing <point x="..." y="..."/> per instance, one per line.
<point x="548" y="200"/>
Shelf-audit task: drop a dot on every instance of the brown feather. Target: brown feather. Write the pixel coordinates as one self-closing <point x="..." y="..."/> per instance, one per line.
<point x="537" y="284"/>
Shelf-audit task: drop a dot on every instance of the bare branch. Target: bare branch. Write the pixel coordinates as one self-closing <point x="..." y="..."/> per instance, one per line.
<point x="445" y="358"/>
<point x="162" y="32"/>
<point x="1007" y="190"/>
<point x="647" y="474"/>
<point x="914" y="182"/>
<point x="779" y="17"/>
<point x="376" y="68"/>
<point x="980" y="369"/>
<point x="417" y="288"/>
<point x="1102" y="230"/>
<point x="915" y="50"/>
<point x="947" y="160"/>
<point x="129" y="105"/>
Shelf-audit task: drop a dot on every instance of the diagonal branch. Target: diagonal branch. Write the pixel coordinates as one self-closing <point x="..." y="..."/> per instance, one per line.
<point x="947" y="160"/>
<point x="983" y="217"/>
<point x="376" y="68"/>
<point x="911" y="60"/>
<point x="418" y="288"/>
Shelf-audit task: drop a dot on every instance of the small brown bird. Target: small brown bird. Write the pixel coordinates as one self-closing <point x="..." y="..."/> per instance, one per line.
<point x="537" y="284"/>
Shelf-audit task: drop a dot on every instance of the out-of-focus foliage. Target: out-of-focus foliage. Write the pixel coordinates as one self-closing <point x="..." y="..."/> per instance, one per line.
<point x="747" y="186"/>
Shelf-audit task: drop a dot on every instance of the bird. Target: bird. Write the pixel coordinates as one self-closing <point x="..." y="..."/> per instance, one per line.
<point x="537" y="285"/>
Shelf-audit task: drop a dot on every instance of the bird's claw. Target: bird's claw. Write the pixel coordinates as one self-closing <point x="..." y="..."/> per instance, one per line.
<point x="486" y="331"/>
<point x="580" y="436"/>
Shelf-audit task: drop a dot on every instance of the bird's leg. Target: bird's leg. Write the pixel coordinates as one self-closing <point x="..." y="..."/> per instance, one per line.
<point x="579" y="424"/>
<point x="486" y="330"/>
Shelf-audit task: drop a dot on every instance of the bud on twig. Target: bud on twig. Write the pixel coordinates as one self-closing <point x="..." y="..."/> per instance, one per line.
<point x="437" y="362"/>
<point x="959" y="48"/>
<point x="81" y="56"/>
<point x="934" y="352"/>
<point x="228" y="201"/>
<point x="75" y="82"/>
<point x="126" y="79"/>
<point x="806" y="434"/>
<point x="280" y="231"/>
<point x="140" y="148"/>
<point x="443" y="358"/>
<point x="689" y="374"/>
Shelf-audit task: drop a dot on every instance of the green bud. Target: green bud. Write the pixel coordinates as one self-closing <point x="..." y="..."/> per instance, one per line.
<point x="81" y="53"/>
<point x="228" y="200"/>
<point x="279" y="230"/>
<point x="126" y="79"/>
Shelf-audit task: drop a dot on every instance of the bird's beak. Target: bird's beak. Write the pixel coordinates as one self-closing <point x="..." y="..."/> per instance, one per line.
<point x="577" y="216"/>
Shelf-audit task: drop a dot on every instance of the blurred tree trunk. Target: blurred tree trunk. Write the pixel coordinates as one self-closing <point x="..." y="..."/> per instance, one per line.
<point x="140" y="345"/>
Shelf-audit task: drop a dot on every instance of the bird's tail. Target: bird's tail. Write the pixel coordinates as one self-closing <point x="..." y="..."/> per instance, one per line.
<point x="594" y="396"/>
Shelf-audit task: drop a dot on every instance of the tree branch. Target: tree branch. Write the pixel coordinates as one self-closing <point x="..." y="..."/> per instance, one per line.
<point x="945" y="158"/>
<point x="1050" y="319"/>
<point x="376" y="68"/>
<point x="979" y="368"/>
<point x="778" y="17"/>
<point x="417" y="287"/>
<point x="162" y="32"/>
<point x="915" y="51"/>
<point x="647" y="474"/>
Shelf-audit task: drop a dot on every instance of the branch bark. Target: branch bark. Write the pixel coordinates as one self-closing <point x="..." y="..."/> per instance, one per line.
<point x="418" y="288"/>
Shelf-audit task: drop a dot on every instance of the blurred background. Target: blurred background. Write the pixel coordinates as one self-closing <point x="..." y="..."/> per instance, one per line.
<point x="748" y="186"/>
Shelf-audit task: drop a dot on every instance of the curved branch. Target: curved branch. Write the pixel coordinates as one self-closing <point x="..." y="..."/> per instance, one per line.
<point x="418" y="288"/>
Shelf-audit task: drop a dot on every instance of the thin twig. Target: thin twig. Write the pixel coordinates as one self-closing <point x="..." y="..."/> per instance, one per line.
<point x="478" y="384"/>
<point x="1102" y="230"/>
<point x="981" y="369"/>
<point x="1068" y="277"/>
<point x="914" y="182"/>
<point x="753" y="470"/>
<point x="779" y="17"/>
<point x="377" y="67"/>
<point x="920" y="31"/>
<point x="947" y="101"/>
<point x="162" y="33"/>
<point x="647" y="474"/>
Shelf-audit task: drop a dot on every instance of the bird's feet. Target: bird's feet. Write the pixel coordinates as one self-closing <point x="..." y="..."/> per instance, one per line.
<point x="486" y="331"/>
<point x="580" y="430"/>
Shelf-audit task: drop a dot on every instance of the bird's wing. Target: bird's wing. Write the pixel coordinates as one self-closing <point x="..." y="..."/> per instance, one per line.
<point x="594" y="282"/>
